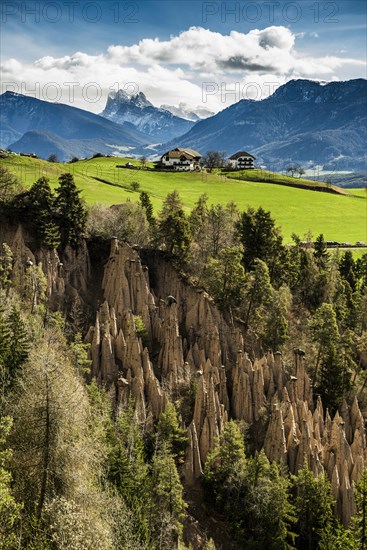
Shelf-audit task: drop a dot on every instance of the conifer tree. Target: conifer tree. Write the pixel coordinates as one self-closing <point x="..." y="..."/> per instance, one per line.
<point x="167" y="493"/>
<point x="324" y="332"/>
<point x="261" y="240"/>
<point x="360" y="521"/>
<point x="321" y="254"/>
<point x="174" y="232"/>
<point x="56" y="462"/>
<point x="9" y="508"/>
<point x="169" y="432"/>
<point x="258" y="290"/>
<point x="224" y="468"/>
<point x="361" y="271"/>
<point x="198" y="216"/>
<point x="41" y="213"/>
<point x="276" y="325"/>
<point x="148" y="207"/>
<point x="14" y="346"/>
<point x="224" y="277"/>
<point x="268" y="515"/>
<point x="314" y="507"/>
<point x="71" y="210"/>
<point x="347" y="269"/>
<point x="19" y="344"/>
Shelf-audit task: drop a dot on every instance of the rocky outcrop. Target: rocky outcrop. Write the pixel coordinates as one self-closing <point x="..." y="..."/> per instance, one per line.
<point x="67" y="276"/>
<point x="189" y="344"/>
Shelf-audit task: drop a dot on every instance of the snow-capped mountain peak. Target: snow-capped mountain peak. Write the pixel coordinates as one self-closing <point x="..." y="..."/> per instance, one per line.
<point x="136" y="109"/>
<point x="185" y="111"/>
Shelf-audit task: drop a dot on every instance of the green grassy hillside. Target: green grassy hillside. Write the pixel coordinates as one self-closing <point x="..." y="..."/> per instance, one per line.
<point x="265" y="176"/>
<point x="338" y="217"/>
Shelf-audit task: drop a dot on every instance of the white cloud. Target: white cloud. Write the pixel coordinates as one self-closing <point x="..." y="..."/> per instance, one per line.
<point x="174" y="70"/>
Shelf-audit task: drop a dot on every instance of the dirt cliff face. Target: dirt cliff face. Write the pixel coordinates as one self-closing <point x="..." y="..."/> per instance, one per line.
<point x="188" y="344"/>
<point x="155" y="337"/>
<point x="68" y="277"/>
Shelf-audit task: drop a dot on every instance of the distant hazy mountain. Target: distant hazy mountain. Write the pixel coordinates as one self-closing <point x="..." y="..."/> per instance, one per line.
<point x="31" y="125"/>
<point x="158" y="123"/>
<point x="46" y="143"/>
<point x="350" y="180"/>
<point x="303" y="122"/>
<point x="185" y="111"/>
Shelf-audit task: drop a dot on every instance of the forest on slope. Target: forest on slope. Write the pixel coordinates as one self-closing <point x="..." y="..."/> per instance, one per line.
<point x="124" y="421"/>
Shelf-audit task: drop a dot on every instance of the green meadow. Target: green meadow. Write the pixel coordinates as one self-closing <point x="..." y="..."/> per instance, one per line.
<point x="340" y="217"/>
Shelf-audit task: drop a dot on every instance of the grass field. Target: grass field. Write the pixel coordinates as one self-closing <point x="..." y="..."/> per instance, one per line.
<point x="265" y="176"/>
<point x="358" y="192"/>
<point x="339" y="217"/>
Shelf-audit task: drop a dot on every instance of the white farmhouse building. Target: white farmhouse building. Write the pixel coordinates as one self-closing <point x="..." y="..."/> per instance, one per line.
<point x="180" y="160"/>
<point x="241" y="161"/>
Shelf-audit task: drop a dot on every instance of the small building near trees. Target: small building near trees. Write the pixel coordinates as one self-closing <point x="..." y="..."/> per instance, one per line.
<point x="179" y="159"/>
<point x="241" y="161"/>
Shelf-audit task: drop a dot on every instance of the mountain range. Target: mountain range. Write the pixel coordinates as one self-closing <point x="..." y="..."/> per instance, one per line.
<point x="303" y="122"/>
<point x="156" y="122"/>
<point x="28" y="125"/>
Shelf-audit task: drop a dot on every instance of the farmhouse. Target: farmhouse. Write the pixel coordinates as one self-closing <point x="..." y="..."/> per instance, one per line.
<point x="241" y="161"/>
<point x="180" y="160"/>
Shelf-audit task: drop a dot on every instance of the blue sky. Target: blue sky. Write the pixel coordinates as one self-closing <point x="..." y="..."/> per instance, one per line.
<point x="331" y="35"/>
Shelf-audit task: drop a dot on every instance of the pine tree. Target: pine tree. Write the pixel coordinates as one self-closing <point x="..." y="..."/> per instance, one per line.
<point x="167" y="493"/>
<point x="224" y="277"/>
<point x="335" y="537"/>
<point x="268" y="515"/>
<point x="276" y="325"/>
<point x="50" y="237"/>
<point x="169" y="432"/>
<point x="41" y="213"/>
<point x="5" y="338"/>
<point x="261" y="240"/>
<point x="9" y="508"/>
<point x="127" y="467"/>
<point x="360" y="521"/>
<point x="79" y="355"/>
<point x="35" y="286"/>
<point x="258" y="291"/>
<point x="175" y="233"/>
<point x="314" y="507"/>
<point x="347" y="268"/>
<point x="333" y="382"/>
<point x="71" y="210"/>
<point x="19" y="344"/>
<point x="171" y="204"/>
<point x="198" y="215"/>
<point x="224" y="469"/>
<point x="324" y="332"/>
<point x="148" y="207"/>
<point x="128" y="471"/>
<point x="321" y="254"/>
<point x="361" y="271"/>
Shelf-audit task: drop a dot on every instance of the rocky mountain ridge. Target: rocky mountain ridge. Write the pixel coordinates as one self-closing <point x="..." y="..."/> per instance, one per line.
<point x="156" y="122"/>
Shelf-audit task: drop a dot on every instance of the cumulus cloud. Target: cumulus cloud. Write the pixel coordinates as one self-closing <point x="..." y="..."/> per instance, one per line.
<point x="174" y="70"/>
<point x="198" y="48"/>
